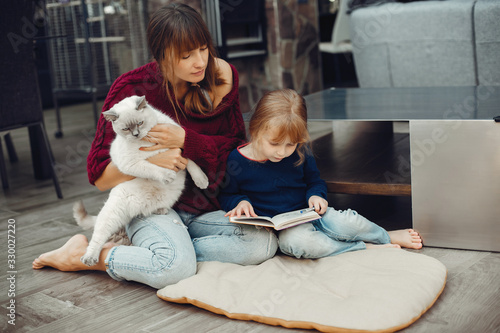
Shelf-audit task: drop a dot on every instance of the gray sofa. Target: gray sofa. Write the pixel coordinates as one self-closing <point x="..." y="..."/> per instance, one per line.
<point x="427" y="43"/>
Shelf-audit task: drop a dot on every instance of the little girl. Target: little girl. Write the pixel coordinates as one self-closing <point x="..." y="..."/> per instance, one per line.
<point x="276" y="172"/>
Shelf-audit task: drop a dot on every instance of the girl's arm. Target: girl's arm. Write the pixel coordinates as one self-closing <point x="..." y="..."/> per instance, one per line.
<point x="316" y="187"/>
<point x="243" y="208"/>
<point x="320" y="205"/>
<point x="229" y="193"/>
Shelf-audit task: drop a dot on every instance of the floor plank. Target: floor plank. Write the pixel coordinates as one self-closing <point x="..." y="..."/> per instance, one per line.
<point x="470" y="301"/>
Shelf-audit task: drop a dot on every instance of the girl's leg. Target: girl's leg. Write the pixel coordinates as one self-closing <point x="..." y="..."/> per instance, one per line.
<point x="307" y="241"/>
<point x="162" y="252"/>
<point x="217" y="239"/>
<point x="336" y="232"/>
<point x="348" y="225"/>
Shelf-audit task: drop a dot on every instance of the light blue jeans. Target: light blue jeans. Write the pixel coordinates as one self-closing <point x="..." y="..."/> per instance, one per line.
<point x="165" y="248"/>
<point x="336" y="232"/>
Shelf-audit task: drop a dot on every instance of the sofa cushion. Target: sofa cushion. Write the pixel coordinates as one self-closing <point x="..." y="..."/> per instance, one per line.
<point x="422" y="43"/>
<point x="487" y="28"/>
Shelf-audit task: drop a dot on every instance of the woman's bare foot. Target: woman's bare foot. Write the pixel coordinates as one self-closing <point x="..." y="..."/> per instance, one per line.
<point x="408" y="238"/>
<point x="370" y="246"/>
<point x="67" y="257"/>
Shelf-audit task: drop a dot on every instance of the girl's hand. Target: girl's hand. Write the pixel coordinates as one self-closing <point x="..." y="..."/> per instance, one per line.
<point x="165" y="136"/>
<point x="170" y="159"/>
<point x="243" y="207"/>
<point x="320" y="205"/>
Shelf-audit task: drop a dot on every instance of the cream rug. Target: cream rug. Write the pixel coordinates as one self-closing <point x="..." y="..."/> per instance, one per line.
<point x="381" y="290"/>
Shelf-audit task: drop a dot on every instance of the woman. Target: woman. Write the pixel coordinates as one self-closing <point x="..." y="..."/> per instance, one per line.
<point x="190" y="84"/>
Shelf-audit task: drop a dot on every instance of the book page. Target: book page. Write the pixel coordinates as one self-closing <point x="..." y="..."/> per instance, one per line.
<point x="280" y="221"/>
<point x="260" y="220"/>
<point x="293" y="218"/>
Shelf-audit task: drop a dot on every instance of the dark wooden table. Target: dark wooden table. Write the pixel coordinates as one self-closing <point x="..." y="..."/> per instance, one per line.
<point x="447" y="160"/>
<point x="364" y="155"/>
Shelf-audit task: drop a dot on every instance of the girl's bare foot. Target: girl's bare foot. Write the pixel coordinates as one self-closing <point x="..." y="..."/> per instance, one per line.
<point x="67" y="257"/>
<point x="408" y="238"/>
<point x="370" y="246"/>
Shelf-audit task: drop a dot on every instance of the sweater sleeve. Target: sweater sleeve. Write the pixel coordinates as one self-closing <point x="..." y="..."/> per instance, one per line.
<point x="230" y="194"/>
<point x="98" y="157"/>
<point x="315" y="185"/>
<point x="122" y="87"/>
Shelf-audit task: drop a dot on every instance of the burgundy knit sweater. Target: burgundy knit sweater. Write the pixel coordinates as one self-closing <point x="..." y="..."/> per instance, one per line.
<point x="209" y="138"/>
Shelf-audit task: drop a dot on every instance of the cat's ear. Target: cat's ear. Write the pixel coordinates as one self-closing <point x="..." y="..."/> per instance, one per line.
<point x="141" y="103"/>
<point x="110" y="115"/>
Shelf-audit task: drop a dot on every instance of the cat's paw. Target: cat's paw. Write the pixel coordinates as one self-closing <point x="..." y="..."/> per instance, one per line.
<point x="161" y="211"/>
<point x="120" y="238"/>
<point x="89" y="260"/>
<point x="201" y="181"/>
<point x="169" y="176"/>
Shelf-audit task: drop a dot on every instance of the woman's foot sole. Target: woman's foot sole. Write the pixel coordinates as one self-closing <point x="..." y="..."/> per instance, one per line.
<point x="67" y="257"/>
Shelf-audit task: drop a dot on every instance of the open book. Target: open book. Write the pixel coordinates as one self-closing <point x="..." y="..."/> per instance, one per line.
<point x="280" y="221"/>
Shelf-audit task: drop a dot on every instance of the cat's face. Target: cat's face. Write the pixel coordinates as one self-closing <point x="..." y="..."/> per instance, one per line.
<point x="132" y="118"/>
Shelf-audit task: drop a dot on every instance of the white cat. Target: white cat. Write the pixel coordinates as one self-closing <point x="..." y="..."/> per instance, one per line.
<point x="155" y="190"/>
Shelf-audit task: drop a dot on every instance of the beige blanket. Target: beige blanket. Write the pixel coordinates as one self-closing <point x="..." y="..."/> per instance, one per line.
<point x="381" y="290"/>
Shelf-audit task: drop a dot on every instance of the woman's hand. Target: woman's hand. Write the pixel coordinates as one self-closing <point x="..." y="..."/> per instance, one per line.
<point x="171" y="159"/>
<point x="243" y="207"/>
<point x="320" y="205"/>
<point x="165" y="136"/>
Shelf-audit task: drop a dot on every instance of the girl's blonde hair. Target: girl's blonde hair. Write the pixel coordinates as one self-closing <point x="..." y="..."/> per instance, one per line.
<point x="173" y="30"/>
<point x="285" y="112"/>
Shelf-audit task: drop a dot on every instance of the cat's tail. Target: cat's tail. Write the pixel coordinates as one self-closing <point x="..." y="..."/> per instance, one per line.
<point x="83" y="219"/>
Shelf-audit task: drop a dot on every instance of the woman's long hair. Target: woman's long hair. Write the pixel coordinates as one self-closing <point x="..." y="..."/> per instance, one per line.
<point x="173" y="30"/>
<point x="285" y="112"/>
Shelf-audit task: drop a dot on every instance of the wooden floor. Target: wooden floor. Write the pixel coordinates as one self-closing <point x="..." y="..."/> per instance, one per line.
<point x="51" y="301"/>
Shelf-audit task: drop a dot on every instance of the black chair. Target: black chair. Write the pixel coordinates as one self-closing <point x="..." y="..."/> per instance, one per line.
<point x="20" y="104"/>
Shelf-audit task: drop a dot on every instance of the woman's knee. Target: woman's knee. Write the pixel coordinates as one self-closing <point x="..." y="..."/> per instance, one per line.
<point x="171" y="266"/>
<point x="172" y="254"/>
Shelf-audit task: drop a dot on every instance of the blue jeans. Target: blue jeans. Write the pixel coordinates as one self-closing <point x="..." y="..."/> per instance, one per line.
<point x="165" y="248"/>
<point x="336" y="232"/>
